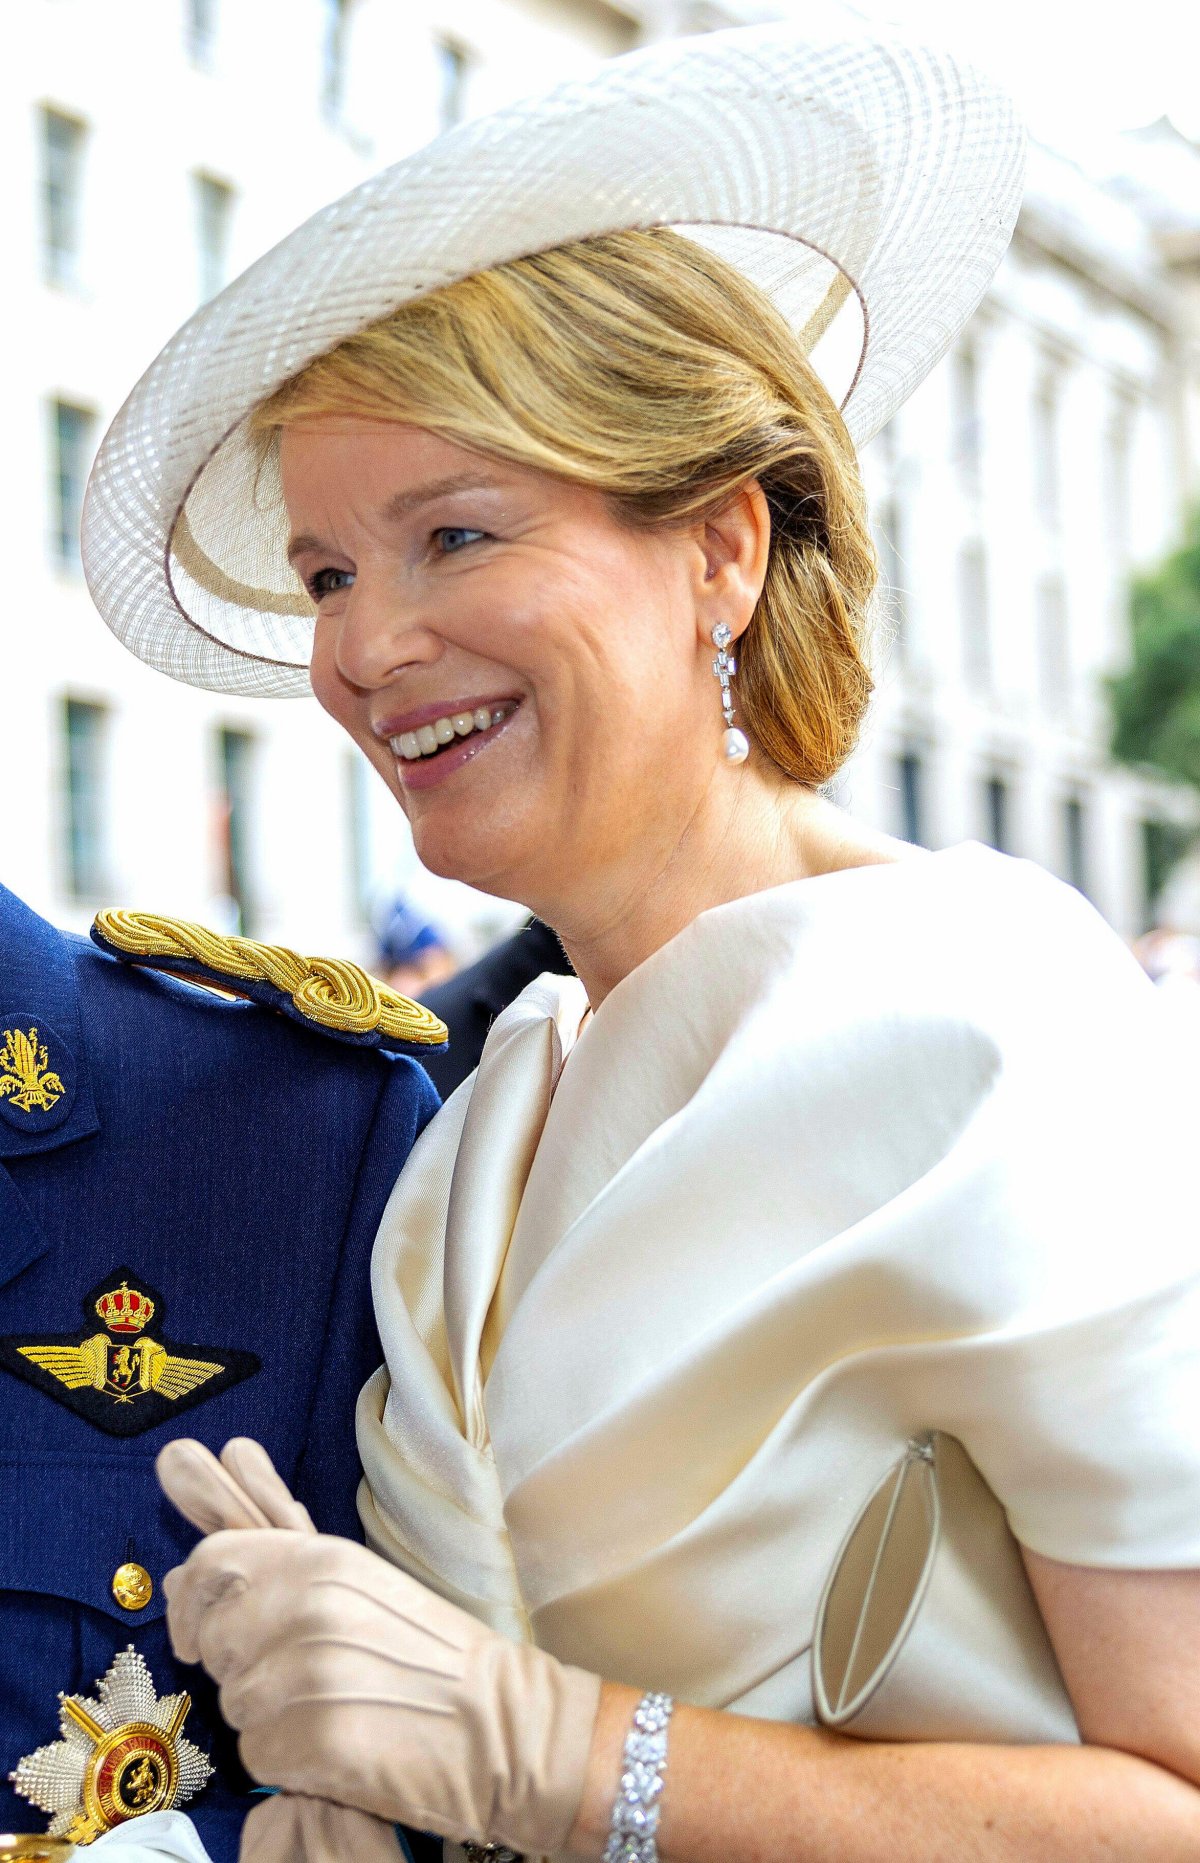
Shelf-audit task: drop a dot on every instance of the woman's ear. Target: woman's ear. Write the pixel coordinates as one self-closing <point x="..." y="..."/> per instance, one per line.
<point x="733" y="544"/>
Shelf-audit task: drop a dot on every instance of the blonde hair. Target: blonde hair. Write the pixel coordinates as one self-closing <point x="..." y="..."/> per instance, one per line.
<point x="643" y="366"/>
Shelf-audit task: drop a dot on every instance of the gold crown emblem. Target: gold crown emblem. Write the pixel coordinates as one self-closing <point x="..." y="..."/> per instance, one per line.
<point x="124" y="1309"/>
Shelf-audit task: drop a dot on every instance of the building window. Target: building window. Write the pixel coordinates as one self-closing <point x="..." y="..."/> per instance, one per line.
<point x="1074" y="835"/>
<point x="72" y="439"/>
<point x="910" y="774"/>
<point x="1163" y="845"/>
<point x="214" y="211"/>
<point x="452" y="68"/>
<point x="973" y="615"/>
<point x="333" y="57"/>
<point x="889" y="543"/>
<point x="236" y="758"/>
<point x="996" y="813"/>
<point x="1053" y="645"/>
<point x="200" y="30"/>
<point x="1118" y="475"/>
<point x="968" y="434"/>
<point x="86" y="731"/>
<point x="1046" y="465"/>
<point x="63" y="139"/>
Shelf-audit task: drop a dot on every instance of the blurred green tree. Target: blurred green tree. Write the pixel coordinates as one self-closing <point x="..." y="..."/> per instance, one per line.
<point x="1156" y="702"/>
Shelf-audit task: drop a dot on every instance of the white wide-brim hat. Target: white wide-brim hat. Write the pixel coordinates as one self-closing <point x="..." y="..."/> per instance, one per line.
<point x="867" y="184"/>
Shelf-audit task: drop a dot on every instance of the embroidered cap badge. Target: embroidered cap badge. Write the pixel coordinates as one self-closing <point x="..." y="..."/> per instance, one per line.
<point x="124" y="1379"/>
<point x="37" y="1074"/>
<point x="26" y="1078"/>
<point x="121" y="1755"/>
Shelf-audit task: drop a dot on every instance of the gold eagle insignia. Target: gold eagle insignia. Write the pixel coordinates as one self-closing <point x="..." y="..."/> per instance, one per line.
<point x="124" y="1379"/>
<point x="121" y="1370"/>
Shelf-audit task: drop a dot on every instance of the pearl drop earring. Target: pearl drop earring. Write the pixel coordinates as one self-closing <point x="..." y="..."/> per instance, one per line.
<point x="736" y="744"/>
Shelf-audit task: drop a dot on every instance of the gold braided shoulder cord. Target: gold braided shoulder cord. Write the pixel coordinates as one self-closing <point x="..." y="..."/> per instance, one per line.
<point x="326" y="990"/>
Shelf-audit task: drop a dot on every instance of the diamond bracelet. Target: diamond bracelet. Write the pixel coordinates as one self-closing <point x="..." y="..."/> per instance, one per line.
<point x="632" y="1833"/>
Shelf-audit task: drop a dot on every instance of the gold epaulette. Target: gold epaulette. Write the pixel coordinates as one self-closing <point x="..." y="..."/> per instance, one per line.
<point x="329" y="991"/>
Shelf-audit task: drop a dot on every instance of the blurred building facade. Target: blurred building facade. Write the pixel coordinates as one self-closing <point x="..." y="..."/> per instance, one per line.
<point x="152" y="148"/>
<point x="1046" y="460"/>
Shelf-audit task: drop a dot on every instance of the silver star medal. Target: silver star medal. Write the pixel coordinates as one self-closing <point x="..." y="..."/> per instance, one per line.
<point x="121" y="1755"/>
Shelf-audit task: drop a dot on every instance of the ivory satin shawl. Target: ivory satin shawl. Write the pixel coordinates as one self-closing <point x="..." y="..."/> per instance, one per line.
<point x="898" y="1148"/>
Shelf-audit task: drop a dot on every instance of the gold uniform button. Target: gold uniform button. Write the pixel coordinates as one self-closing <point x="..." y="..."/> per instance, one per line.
<point x="132" y="1587"/>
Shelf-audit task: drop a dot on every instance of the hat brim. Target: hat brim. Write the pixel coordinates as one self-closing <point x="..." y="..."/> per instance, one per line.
<point x="868" y="185"/>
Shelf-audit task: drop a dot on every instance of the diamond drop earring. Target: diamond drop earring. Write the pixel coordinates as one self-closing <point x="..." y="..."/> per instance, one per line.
<point x="736" y="744"/>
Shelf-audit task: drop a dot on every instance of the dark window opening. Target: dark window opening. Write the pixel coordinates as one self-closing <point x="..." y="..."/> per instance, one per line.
<point x="214" y="212"/>
<point x="72" y="435"/>
<point x="996" y="813"/>
<point x="1074" y="823"/>
<point x="63" y="139"/>
<point x="86" y="733"/>
<point x="236" y="758"/>
<point x="911" y="773"/>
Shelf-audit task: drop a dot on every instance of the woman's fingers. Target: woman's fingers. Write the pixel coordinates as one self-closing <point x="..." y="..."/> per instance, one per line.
<point x="243" y="1489"/>
<point x="218" y="1572"/>
<point x="205" y="1492"/>
<point x="257" y="1476"/>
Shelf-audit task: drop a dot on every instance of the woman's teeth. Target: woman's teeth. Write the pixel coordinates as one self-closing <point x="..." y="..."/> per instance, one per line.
<point x="434" y="737"/>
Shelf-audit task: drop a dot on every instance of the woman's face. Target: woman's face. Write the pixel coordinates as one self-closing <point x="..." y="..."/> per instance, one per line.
<point x="559" y="661"/>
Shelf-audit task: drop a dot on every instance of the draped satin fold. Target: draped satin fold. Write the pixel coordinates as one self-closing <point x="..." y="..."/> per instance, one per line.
<point x="893" y="1149"/>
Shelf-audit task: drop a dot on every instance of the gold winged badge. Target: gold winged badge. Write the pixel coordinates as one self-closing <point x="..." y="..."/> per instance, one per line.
<point x="124" y="1371"/>
<point x="124" y="1379"/>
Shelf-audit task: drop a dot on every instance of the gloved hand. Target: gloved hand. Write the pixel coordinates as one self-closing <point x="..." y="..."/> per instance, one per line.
<point x="350" y="1681"/>
<point x="244" y="1490"/>
<point x="288" y="1829"/>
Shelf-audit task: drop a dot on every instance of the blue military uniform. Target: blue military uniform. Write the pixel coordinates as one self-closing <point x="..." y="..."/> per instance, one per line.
<point x="189" y="1192"/>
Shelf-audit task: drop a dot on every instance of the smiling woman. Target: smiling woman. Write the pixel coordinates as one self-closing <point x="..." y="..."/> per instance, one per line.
<point x="552" y="614"/>
<point x="647" y="369"/>
<point x="540" y="487"/>
<point x="833" y="1151"/>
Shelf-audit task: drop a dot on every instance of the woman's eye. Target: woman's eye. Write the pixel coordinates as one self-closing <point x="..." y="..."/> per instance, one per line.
<point x="452" y="537"/>
<point x="329" y="582"/>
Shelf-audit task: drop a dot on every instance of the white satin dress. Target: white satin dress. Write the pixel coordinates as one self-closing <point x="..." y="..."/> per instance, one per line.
<point x="898" y="1148"/>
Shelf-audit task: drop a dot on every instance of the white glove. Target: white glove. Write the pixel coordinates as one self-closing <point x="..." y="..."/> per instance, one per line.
<point x="288" y="1829"/>
<point x="352" y="1682"/>
<point x="244" y="1490"/>
<point x="159" y="1837"/>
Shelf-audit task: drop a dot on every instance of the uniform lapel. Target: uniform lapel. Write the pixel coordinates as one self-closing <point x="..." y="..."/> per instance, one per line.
<point x="46" y="1095"/>
<point x="45" y="1084"/>
<point x="21" y="1241"/>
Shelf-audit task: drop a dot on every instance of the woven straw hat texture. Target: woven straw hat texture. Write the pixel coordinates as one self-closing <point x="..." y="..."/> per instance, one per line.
<point x="869" y="185"/>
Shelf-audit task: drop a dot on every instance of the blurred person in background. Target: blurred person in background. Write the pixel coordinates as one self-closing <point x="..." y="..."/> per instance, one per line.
<point x="470" y="1002"/>
<point x="1171" y="960"/>
<point x="412" y="954"/>
<point x="1169" y="957"/>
